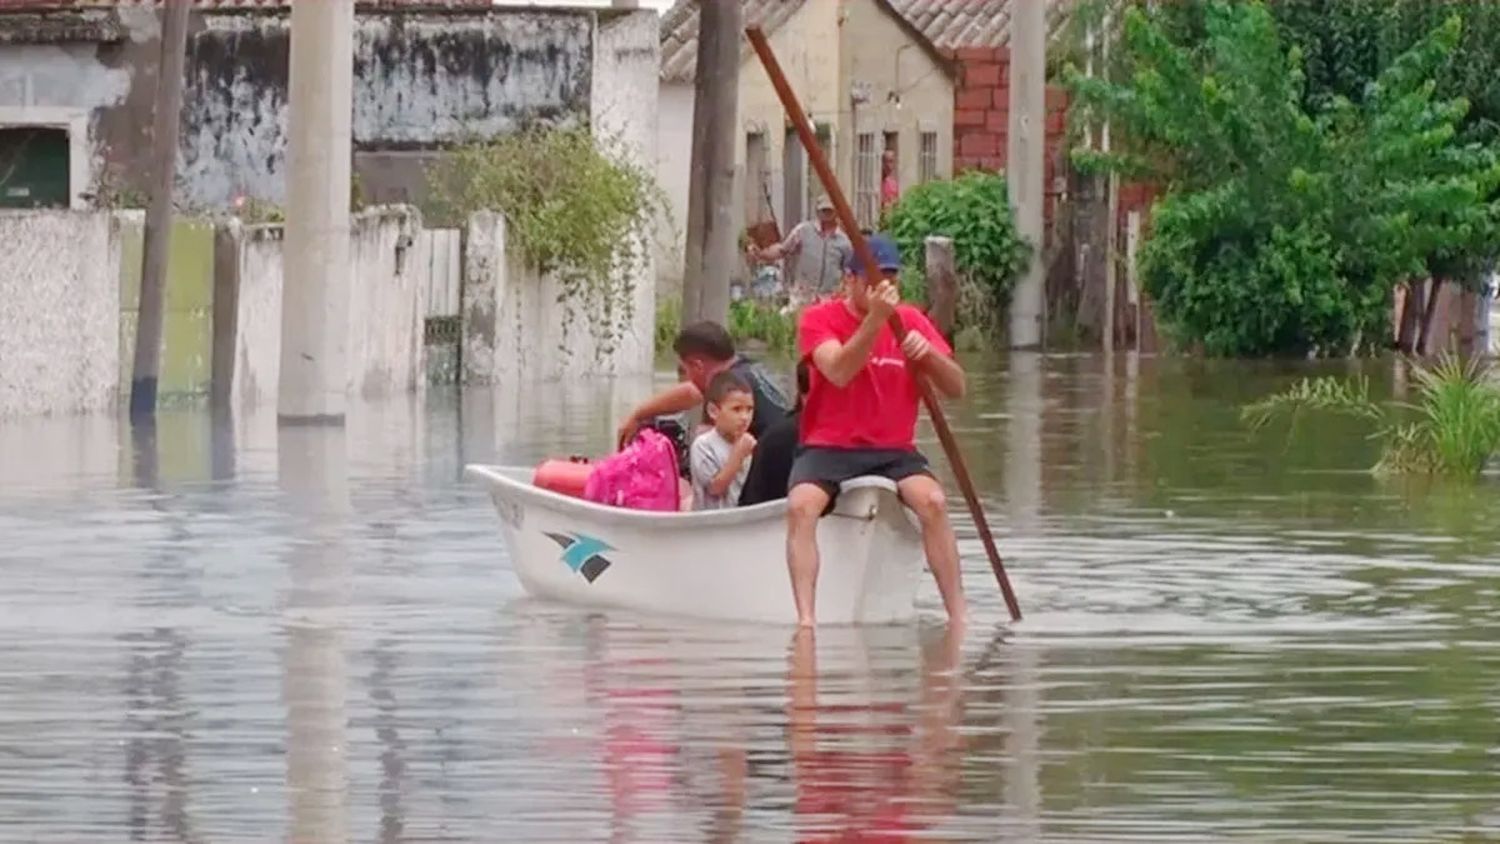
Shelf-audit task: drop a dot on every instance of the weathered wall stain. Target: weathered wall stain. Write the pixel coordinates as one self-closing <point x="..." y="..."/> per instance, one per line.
<point x="420" y="81"/>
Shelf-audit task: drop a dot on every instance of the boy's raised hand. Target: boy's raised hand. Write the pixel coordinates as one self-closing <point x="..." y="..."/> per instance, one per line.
<point x="745" y="445"/>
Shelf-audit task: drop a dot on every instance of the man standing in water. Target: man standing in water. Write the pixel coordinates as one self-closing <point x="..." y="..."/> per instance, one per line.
<point x="819" y="250"/>
<point x="860" y="418"/>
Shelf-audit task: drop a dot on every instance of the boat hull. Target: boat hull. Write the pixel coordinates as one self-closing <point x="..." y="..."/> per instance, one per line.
<point x="725" y="565"/>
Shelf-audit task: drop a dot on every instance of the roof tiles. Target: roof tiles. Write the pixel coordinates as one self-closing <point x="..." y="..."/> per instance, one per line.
<point x="679" y="32"/>
<point x="954" y="24"/>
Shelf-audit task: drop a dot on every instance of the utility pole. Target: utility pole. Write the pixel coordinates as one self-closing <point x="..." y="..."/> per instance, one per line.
<point x="1026" y="165"/>
<point x="711" y="243"/>
<point x="158" y="233"/>
<point x="315" y="294"/>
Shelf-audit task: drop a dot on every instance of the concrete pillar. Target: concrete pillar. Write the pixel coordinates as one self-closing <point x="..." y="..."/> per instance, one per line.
<point x="1025" y="172"/>
<point x="484" y="285"/>
<point x="314" y="312"/>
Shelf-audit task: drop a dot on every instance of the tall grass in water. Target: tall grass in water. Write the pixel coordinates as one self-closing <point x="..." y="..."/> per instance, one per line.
<point x="1453" y="427"/>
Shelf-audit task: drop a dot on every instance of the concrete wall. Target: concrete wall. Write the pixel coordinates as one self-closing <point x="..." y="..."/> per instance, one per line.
<point x="388" y="302"/>
<point x="879" y="56"/>
<point x="421" y="79"/>
<point x="59" y="311"/>
<point x="386" y="306"/>
<point x="187" y="329"/>
<point x="624" y="110"/>
<point x="519" y="327"/>
<point x="674" y="140"/>
<point x="67" y="86"/>
<point x="250" y="343"/>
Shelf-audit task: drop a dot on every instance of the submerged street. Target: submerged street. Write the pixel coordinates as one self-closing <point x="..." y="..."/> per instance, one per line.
<point x="230" y="634"/>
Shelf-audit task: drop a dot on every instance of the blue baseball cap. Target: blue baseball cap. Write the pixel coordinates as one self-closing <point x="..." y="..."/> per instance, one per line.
<point x="887" y="256"/>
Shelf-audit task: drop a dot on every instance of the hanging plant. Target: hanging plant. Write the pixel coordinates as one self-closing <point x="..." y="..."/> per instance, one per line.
<point x="578" y="209"/>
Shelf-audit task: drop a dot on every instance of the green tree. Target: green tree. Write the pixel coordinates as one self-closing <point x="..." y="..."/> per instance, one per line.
<point x="1286" y="222"/>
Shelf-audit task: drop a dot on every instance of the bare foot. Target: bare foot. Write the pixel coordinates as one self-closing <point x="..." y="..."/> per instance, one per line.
<point x="806" y="622"/>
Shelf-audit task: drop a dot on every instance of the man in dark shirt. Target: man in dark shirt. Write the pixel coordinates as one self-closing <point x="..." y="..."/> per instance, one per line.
<point x="771" y="465"/>
<point x="704" y="349"/>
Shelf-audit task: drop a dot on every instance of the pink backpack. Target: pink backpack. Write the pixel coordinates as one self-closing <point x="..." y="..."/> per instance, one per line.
<point x="643" y="476"/>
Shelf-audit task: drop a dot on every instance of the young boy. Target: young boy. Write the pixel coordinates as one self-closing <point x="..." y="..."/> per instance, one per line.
<point x="771" y="465"/>
<point x="720" y="457"/>
<point x="705" y="349"/>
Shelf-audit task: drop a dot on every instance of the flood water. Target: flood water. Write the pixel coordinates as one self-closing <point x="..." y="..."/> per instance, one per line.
<point x="233" y="634"/>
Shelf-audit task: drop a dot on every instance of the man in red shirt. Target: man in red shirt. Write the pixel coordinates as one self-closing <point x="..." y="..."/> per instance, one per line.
<point x="860" y="418"/>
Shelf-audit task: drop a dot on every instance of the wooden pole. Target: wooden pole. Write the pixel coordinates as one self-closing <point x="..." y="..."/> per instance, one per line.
<point x="942" y="283"/>
<point x="1026" y="165"/>
<point x="157" y="239"/>
<point x="862" y="248"/>
<point x="712" y="249"/>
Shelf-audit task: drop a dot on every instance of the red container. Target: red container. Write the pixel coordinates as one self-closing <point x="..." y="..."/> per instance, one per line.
<point x="567" y="477"/>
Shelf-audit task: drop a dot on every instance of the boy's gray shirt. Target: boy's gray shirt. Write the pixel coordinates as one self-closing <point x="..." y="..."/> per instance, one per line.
<point x="709" y="454"/>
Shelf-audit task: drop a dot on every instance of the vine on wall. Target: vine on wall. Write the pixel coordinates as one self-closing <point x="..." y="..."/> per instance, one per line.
<point x="578" y="209"/>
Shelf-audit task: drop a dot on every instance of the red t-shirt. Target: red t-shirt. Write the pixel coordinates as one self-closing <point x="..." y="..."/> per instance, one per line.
<point x="876" y="410"/>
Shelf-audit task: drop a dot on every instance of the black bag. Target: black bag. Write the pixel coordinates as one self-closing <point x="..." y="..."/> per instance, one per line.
<point x="671" y="428"/>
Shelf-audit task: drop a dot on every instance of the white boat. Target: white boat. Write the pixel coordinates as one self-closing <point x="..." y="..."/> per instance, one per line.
<point x="722" y="565"/>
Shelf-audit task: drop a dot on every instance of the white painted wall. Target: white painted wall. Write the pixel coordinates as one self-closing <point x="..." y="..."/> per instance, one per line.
<point x="59" y="311"/>
<point x="674" y="146"/>
<point x="521" y="327"/>
<point x="387" y="302"/>
<point x="623" y="103"/>
<point x="257" y="344"/>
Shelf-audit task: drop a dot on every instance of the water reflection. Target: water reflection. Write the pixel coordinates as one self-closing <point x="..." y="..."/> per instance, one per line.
<point x="313" y="476"/>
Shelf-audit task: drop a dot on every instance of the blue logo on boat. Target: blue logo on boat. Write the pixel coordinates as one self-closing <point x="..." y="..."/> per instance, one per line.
<point x="582" y="554"/>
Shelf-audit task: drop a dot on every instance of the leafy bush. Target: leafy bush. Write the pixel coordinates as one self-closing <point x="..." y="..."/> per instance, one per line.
<point x="974" y="210"/>
<point x="576" y="208"/>
<point x="668" y="323"/>
<point x="1452" y="429"/>
<point x="1284" y="230"/>
<point x="750" y="320"/>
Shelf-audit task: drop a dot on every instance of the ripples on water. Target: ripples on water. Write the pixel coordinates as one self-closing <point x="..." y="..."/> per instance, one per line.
<point x="225" y="636"/>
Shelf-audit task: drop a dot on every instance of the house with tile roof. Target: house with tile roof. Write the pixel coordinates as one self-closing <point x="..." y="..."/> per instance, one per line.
<point x="870" y="81"/>
<point x="976" y="35"/>
<point x="78" y="78"/>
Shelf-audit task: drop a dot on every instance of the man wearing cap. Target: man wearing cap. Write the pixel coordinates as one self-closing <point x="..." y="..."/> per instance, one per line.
<point x="819" y="249"/>
<point x="860" y="418"/>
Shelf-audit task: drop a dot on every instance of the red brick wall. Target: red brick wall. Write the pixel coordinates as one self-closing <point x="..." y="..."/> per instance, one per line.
<point x="981" y="115"/>
<point x="981" y="126"/>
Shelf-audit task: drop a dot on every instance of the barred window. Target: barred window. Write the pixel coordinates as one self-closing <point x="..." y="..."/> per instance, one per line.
<point x="927" y="168"/>
<point x="866" y="180"/>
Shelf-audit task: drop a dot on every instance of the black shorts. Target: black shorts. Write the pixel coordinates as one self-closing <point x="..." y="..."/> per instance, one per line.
<point x="829" y="467"/>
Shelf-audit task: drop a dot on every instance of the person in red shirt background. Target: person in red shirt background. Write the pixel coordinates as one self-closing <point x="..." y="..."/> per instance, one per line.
<point x="860" y="418"/>
<point x="890" y="189"/>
